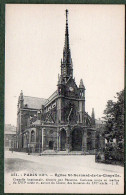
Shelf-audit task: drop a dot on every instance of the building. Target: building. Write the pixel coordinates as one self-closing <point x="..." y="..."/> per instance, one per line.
<point x="9" y="136"/>
<point x="59" y="123"/>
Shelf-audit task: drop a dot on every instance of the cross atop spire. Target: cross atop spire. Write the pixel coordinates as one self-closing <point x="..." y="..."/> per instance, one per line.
<point x="66" y="16"/>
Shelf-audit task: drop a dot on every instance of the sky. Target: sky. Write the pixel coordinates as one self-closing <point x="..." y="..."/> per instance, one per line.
<point x="34" y="40"/>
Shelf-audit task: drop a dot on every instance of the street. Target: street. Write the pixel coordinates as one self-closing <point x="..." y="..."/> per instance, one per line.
<point x="54" y="173"/>
<point x="18" y="161"/>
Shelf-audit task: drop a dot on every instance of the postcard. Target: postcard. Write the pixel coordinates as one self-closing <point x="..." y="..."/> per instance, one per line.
<point x="64" y="98"/>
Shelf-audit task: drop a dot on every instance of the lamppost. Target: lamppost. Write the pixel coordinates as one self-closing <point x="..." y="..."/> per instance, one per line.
<point x="39" y="144"/>
<point x="28" y="149"/>
<point x="27" y="137"/>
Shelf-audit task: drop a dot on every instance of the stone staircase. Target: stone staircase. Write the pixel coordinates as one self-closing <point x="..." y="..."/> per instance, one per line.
<point x="52" y="152"/>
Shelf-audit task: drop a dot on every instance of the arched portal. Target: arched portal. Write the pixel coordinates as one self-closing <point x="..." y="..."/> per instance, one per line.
<point x="77" y="139"/>
<point x="89" y="141"/>
<point x="63" y="140"/>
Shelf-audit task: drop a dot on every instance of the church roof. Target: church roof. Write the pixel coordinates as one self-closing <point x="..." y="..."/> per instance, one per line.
<point x="51" y="97"/>
<point x="34" y="102"/>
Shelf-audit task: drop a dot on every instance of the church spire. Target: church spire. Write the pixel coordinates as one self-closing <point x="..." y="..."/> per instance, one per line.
<point x="66" y="64"/>
<point x="66" y="46"/>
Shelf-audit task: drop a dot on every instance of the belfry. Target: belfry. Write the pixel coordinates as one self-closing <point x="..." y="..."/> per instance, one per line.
<point x="59" y="123"/>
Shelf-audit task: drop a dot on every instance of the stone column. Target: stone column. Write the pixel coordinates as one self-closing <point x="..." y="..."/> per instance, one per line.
<point x="59" y="110"/>
<point x="70" y="140"/>
<point x="16" y="144"/>
<point x="57" y="140"/>
<point x="43" y="137"/>
<point x="84" y="141"/>
<point x="67" y="140"/>
<point x="35" y="139"/>
<point x="93" y="140"/>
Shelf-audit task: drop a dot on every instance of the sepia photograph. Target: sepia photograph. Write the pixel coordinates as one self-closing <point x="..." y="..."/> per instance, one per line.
<point x="64" y="98"/>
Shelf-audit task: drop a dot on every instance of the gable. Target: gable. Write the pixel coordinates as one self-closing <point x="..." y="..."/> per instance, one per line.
<point x="71" y="83"/>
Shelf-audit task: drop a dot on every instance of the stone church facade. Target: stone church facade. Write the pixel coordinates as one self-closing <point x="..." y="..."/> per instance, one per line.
<point x="59" y="123"/>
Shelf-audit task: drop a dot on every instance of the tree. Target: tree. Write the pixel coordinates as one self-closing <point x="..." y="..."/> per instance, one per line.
<point x="114" y="116"/>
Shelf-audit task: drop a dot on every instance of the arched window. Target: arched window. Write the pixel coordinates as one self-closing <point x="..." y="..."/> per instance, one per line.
<point x="32" y="136"/>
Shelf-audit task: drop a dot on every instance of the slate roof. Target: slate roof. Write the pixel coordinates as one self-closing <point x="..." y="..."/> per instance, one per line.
<point x="34" y="102"/>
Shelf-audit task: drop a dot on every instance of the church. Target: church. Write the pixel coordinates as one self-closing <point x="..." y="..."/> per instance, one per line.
<point x="59" y="123"/>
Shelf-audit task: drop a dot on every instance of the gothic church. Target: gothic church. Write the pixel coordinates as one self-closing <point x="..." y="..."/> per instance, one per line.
<point x="59" y="123"/>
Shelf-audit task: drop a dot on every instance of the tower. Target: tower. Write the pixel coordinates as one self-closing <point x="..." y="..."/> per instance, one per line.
<point x="20" y="120"/>
<point x="21" y="99"/>
<point x="81" y="90"/>
<point x="93" y="117"/>
<point x="81" y="101"/>
<point x="19" y="111"/>
<point x="71" y="101"/>
<point x="61" y="83"/>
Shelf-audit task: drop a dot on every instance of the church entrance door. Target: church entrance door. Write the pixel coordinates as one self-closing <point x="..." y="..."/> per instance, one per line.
<point x="63" y="140"/>
<point x="89" y="142"/>
<point x="51" y="145"/>
<point x="77" y="139"/>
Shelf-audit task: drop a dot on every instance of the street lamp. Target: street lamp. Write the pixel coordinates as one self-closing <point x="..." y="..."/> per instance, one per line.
<point x="27" y="142"/>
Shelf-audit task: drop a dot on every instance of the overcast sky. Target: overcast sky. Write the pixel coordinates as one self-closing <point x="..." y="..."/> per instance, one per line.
<point x="34" y="47"/>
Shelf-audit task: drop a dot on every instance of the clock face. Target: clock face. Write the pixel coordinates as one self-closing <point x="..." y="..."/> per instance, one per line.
<point x="71" y="89"/>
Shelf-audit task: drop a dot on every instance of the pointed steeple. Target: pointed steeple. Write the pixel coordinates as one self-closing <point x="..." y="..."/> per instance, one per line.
<point x="60" y="80"/>
<point x="81" y="85"/>
<point x="66" y="51"/>
<point x="21" y="99"/>
<point x="21" y="95"/>
<point x="93" y="116"/>
<point x="66" y="63"/>
<point x="66" y="32"/>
